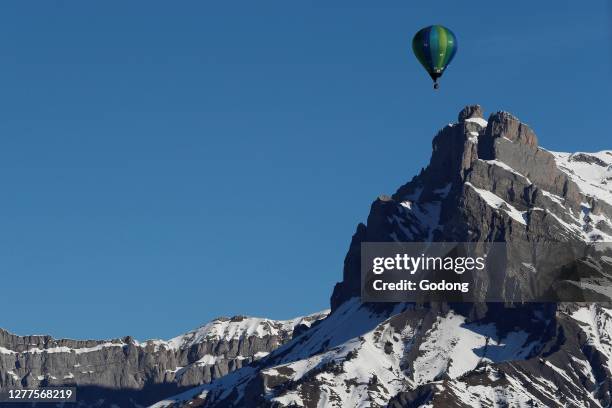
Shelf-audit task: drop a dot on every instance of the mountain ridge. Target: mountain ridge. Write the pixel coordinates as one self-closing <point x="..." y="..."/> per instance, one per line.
<point x="487" y="181"/>
<point x="151" y="369"/>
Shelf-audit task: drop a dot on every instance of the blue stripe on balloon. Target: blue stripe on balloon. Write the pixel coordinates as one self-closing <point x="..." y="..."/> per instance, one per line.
<point x="434" y="46"/>
<point x="427" y="46"/>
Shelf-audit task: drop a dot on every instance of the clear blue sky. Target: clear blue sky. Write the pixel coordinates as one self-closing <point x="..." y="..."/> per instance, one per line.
<point x="163" y="163"/>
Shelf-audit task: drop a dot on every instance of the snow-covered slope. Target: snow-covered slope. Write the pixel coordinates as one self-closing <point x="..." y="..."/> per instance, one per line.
<point x="592" y="172"/>
<point x="433" y="354"/>
<point x="237" y="327"/>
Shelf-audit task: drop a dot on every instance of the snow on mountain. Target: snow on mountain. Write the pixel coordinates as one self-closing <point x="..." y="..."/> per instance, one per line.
<point x="480" y="121"/>
<point x="454" y="347"/>
<point x="237" y="327"/>
<point x="401" y="347"/>
<point x="566" y="375"/>
<point x="596" y="323"/>
<point x="592" y="172"/>
<point x="499" y="203"/>
<point x="340" y="334"/>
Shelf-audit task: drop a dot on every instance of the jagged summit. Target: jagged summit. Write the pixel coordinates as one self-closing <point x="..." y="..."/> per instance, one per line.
<point x="488" y="180"/>
<point x="473" y="112"/>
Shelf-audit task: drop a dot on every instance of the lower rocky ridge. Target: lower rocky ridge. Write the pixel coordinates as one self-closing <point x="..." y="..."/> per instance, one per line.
<point x="487" y="181"/>
<point x="127" y="373"/>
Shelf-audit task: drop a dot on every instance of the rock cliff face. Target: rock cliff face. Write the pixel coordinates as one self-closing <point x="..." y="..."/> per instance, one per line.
<point x="490" y="181"/>
<point x="487" y="181"/>
<point x="126" y="372"/>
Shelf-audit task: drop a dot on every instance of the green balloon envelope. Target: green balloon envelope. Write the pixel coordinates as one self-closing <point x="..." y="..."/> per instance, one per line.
<point x="435" y="46"/>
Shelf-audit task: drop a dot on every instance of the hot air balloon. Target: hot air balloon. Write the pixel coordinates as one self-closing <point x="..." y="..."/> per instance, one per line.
<point x="435" y="46"/>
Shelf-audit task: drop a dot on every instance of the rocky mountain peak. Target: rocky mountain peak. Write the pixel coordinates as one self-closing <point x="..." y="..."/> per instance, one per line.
<point x="487" y="181"/>
<point x="469" y="112"/>
<point x="505" y="125"/>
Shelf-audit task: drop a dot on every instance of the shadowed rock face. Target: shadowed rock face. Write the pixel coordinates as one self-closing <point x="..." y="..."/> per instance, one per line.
<point x="500" y="156"/>
<point x="487" y="180"/>
<point x="126" y="372"/>
<point x="469" y="112"/>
